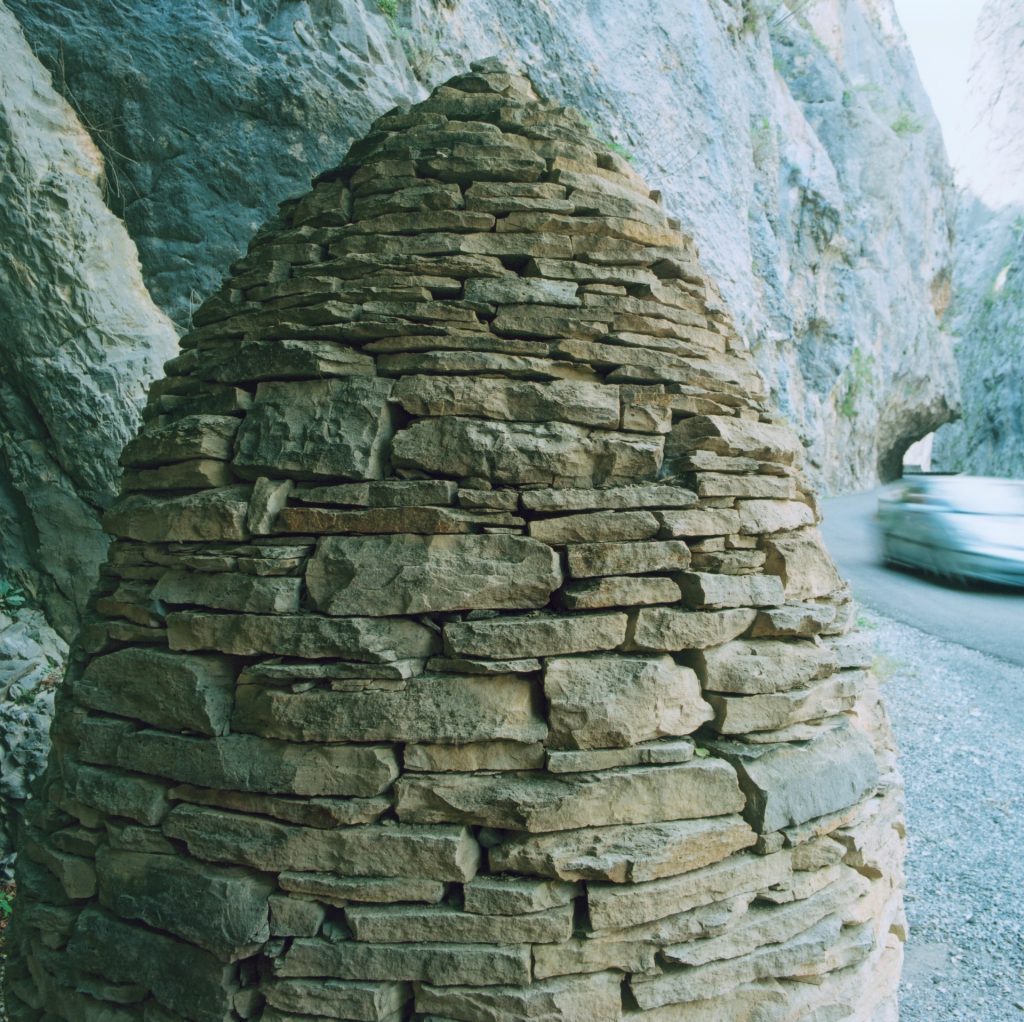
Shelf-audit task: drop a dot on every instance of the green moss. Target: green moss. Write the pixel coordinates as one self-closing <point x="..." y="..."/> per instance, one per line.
<point x="620" y="150"/>
<point x="858" y="377"/>
<point x="762" y="139"/>
<point x="615" y="147"/>
<point x="12" y="597"/>
<point x="389" y="8"/>
<point x="907" y="124"/>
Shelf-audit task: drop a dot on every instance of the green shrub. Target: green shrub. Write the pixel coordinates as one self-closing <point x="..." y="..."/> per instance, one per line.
<point x="12" y="597"/>
<point x="907" y="124"/>
<point x="858" y="377"/>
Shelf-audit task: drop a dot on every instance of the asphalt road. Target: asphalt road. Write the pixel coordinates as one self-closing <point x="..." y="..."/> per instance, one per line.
<point x="983" y="618"/>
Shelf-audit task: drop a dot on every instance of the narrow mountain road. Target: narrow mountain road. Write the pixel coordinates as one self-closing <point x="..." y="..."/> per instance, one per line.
<point x="982" y="618"/>
<point x="952" y="665"/>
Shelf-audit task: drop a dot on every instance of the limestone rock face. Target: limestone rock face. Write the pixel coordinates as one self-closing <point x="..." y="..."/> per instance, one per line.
<point x="462" y="671"/>
<point x="81" y="339"/>
<point x="800" y="152"/>
<point x="987" y="309"/>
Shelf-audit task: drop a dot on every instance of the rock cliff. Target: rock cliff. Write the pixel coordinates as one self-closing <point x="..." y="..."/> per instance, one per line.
<point x="794" y="143"/>
<point x="467" y="647"/>
<point x="987" y="313"/>
<point x="80" y="338"/>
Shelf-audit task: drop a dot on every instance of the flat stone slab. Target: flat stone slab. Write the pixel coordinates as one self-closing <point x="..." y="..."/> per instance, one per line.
<point x="774" y="777"/>
<point x="803" y="564"/>
<point x="177" y="691"/>
<point x="428" y="853"/>
<point x="625" y="855"/>
<point x="594" y="998"/>
<point x="794" y="957"/>
<point x="385" y="493"/>
<point x="229" y="591"/>
<point x="539" y="803"/>
<point x="438" y="963"/>
<point x="675" y="630"/>
<point x="614" y="906"/>
<point x="428" y="708"/>
<point x="317" y="429"/>
<point x="222" y="909"/>
<point x="700" y="522"/>
<point x="427" y="521"/>
<point x="469" y="756"/>
<point x="704" y="590"/>
<point x="822" y="701"/>
<point x="403" y="924"/>
<point x="343" y="890"/>
<point x="254" y="763"/>
<point x="542" y="635"/>
<point x="418" y="574"/>
<point x="322" y="812"/>
<point x="763" y="924"/>
<point x="509" y="896"/>
<point x="595" y="527"/>
<point x="308" y="636"/>
<point x="201" y="987"/>
<point x="588" y="560"/>
<point x="760" y="517"/>
<point x="620" y="591"/>
<point x="586" y="404"/>
<point x="612" y="498"/>
<point x="190" y="437"/>
<point x="373" y="1002"/>
<point x="547" y="454"/>
<point x="656" y="753"/>
<point x="597" y="702"/>
<point x="759" y="667"/>
<point x="116" y="793"/>
<point x="218" y="514"/>
<point x="737" y="437"/>
<point x="794" y="619"/>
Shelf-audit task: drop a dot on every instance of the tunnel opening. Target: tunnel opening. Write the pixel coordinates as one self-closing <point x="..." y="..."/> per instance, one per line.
<point x="906" y="437"/>
<point x="908" y="454"/>
<point x="917" y="458"/>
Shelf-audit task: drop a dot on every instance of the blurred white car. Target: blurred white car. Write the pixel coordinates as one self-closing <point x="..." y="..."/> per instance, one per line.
<point x="959" y="527"/>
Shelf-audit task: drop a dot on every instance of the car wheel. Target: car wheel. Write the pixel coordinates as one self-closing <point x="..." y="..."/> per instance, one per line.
<point x="888" y="557"/>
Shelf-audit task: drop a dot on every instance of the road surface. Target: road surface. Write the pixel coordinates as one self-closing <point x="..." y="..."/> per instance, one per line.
<point x="979" y="617"/>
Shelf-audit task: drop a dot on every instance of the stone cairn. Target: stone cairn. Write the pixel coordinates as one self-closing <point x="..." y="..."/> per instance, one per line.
<point x="466" y="649"/>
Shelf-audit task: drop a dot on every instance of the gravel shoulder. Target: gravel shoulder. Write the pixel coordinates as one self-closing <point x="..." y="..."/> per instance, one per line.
<point x="959" y="718"/>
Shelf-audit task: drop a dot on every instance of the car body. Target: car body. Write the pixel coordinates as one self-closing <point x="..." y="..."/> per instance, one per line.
<point x="958" y="527"/>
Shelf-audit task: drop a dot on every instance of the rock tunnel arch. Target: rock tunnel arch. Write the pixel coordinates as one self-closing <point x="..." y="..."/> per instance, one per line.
<point x="467" y="647"/>
<point x="905" y="422"/>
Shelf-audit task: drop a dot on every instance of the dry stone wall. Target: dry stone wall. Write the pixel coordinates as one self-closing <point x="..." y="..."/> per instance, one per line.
<point x="466" y="649"/>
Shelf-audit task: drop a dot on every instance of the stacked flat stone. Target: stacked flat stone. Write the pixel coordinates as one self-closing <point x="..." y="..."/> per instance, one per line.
<point x="466" y="649"/>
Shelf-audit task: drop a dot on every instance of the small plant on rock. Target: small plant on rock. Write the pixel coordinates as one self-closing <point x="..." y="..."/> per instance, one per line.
<point x="620" y="150"/>
<point x="12" y="597"/>
<point x="907" y="124"/>
<point x="859" y="374"/>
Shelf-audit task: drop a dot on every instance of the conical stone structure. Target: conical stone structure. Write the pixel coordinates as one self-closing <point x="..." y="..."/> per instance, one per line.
<point x="466" y="649"/>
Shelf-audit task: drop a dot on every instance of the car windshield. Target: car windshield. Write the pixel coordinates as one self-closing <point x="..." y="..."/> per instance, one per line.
<point x="969" y="495"/>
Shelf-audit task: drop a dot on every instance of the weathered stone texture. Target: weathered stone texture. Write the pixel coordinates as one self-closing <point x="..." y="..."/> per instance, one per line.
<point x="413" y="574"/>
<point x="466" y="650"/>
